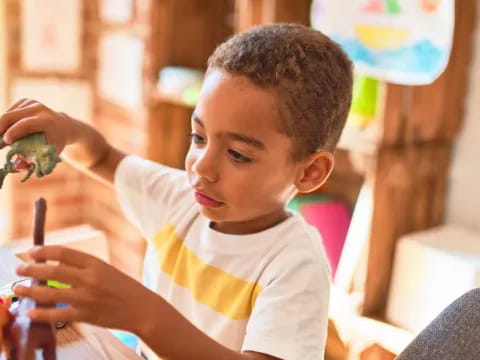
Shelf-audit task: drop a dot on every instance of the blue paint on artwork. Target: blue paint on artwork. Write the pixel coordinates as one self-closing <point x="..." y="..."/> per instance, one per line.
<point x="422" y="57"/>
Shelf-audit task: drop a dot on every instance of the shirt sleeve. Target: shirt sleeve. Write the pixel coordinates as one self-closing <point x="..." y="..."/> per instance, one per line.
<point x="290" y="315"/>
<point x="147" y="192"/>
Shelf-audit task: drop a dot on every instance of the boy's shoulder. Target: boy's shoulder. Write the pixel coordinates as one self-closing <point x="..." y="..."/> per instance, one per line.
<point x="297" y="242"/>
<point x="150" y="177"/>
<point x="151" y="194"/>
<point x="298" y="231"/>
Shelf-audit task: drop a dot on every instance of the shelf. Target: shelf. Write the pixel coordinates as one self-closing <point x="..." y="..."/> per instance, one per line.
<point x="159" y="97"/>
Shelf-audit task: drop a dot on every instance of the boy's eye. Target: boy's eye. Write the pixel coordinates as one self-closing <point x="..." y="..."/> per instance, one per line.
<point x="197" y="139"/>
<point x="239" y="157"/>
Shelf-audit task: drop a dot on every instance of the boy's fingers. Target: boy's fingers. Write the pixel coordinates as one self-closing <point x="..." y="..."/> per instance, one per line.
<point x="69" y="314"/>
<point x="22" y="128"/>
<point x="19" y="104"/>
<point x="63" y="255"/>
<point x="43" y="272"/>
<point x="11" y="117"/>
<point x="46" y="295"/>
<point x="28" y="102"/>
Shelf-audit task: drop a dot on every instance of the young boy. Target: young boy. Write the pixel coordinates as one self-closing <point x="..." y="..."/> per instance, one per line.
<point x="239" y="277"/>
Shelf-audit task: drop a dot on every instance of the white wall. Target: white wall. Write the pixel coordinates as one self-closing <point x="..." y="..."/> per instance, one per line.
<point x="4" y="195"/>
<point x="463" y="203"/>
<point x="3" y="56"/>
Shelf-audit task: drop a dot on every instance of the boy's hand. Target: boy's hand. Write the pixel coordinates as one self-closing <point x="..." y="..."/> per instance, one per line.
<point x="104" y="296"/>
<point x="28" y="116"/>
<point x="88" y="150"/>
<point x="99" y="293"/>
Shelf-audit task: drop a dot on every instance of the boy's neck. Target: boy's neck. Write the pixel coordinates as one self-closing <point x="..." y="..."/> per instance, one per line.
<point x="251" y="226"/>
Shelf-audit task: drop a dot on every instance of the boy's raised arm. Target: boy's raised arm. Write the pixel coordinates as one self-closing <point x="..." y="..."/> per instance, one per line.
<point x="90" y="152"/>
<point x="79" y="144"/>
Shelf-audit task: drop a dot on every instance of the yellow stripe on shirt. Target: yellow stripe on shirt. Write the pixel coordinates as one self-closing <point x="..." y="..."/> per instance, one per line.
<point x="209" y="285"/>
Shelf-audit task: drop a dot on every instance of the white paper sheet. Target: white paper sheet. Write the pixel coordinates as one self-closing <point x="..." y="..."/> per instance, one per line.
<point x="116" y="11"/>
<point x="51" y="35"/>
<point x="120" y="69"/>
<point x="401" y="41"/>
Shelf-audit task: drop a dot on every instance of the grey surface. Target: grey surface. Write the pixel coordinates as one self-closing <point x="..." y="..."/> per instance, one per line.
<point x="453" y="335"/>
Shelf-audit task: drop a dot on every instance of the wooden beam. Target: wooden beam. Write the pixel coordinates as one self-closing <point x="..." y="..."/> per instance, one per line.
<point x="436" y="110"/>
<point x="408" y="196"/>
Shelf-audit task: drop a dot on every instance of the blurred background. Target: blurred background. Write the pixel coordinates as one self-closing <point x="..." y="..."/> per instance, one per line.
<point x="399" y="217"/>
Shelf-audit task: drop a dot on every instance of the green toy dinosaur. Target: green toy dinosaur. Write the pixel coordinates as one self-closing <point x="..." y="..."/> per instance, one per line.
<point x="33" y="152"/>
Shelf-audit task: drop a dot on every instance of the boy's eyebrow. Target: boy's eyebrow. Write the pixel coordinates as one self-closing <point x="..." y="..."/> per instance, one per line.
<point x="235" y="136"/>
<point x="197" y="120"/>
<point x="246" y="139"/>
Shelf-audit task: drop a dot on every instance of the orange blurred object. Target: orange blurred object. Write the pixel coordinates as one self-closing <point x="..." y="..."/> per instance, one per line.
<point x="430" y="5"/>
<point x="5" y="320"/>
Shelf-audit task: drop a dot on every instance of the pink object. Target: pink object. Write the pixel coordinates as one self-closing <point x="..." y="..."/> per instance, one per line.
<point x="375" y="6"/>
<point x="332" y="220"/>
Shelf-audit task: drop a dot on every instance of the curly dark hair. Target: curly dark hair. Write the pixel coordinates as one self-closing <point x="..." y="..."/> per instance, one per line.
<point x="310" y="74"/>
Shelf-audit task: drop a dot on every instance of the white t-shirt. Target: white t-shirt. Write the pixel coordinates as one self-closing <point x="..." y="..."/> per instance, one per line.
<point x="266" y="292"/>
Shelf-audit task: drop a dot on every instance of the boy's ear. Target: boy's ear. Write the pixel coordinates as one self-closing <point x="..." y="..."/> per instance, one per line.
<point x="315" y="171"/>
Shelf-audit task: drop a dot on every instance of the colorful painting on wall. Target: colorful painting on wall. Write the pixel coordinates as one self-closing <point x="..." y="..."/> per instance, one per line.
<point x="51" y="35"/>
<point x="400" y="41"/>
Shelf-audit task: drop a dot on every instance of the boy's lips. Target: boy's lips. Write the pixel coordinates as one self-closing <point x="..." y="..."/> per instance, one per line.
<point x="207" y="201"/>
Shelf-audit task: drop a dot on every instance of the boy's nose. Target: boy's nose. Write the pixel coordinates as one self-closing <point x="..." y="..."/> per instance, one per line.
<point x="205" y="167"/>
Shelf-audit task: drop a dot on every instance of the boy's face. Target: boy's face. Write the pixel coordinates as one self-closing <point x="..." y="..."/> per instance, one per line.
<point x="239" y="164"/>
